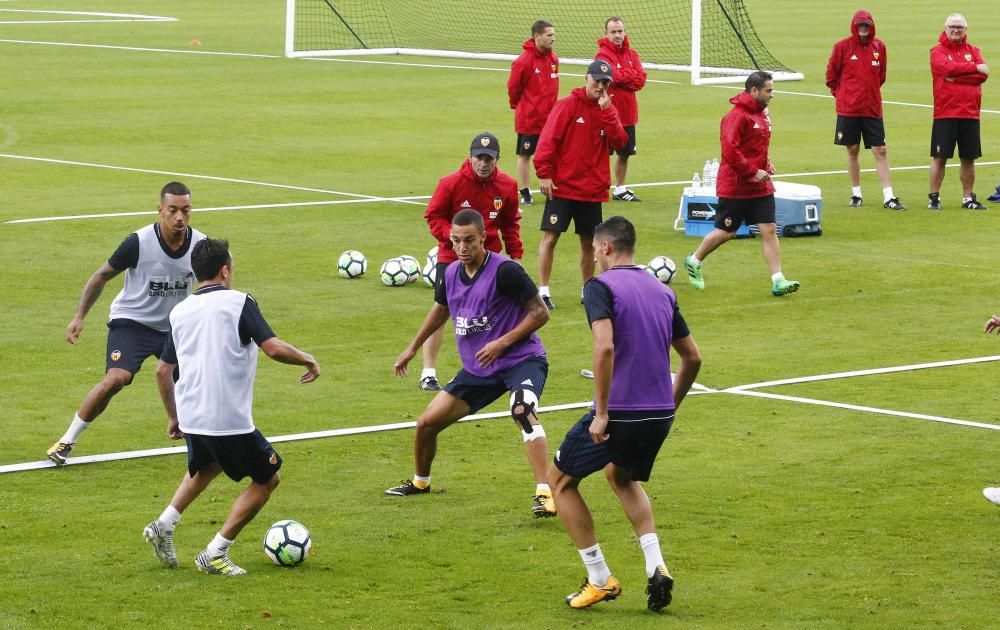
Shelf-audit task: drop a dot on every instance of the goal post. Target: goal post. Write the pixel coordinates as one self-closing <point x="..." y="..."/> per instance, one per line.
<point x="712" y="40"/>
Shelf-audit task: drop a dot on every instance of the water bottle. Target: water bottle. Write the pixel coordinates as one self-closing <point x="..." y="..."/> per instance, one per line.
<point x="706" y="174"/>
<point x="695" y="182"/>
<point x="715" y="172"/>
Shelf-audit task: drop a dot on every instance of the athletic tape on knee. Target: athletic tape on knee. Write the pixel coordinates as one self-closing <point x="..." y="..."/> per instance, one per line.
<point x="537" y="433"/>
<point x="522" y="407"/>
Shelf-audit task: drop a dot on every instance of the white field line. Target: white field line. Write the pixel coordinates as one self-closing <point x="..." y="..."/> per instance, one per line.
<point x="115" y="17"/>
<point x="179" y="51"/>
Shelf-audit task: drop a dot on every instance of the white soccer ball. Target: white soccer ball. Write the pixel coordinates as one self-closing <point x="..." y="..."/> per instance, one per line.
<point x="429" y="273"/>
<point x="393" y="274"/>
<point x="287" y="543"/>
<point x="432" y="255"/>
<point x="662" y="268"/>
<point x="352" y="264"/>
<point x="411" y="266"/>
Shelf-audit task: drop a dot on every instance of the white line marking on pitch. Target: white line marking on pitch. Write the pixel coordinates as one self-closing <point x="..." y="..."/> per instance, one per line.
<point x="138" y="49"/>
<point x="117" y="17"/>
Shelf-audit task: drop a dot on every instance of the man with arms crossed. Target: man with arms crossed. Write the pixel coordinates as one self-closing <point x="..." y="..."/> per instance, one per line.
<point x="214" y="335"/>
<point x="496" y="310"/>
<point x="634" y="321"/>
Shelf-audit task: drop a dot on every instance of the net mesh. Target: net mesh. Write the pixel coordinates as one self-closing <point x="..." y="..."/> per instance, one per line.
<point x="659" y="29"/>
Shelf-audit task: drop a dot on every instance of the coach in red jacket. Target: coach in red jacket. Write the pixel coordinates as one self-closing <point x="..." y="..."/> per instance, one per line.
<point x="533" y="89"/>
<point x="959" y="72"/>
<point x="480" y="185"/>
<point x="627" y="78"/>
<point x="855" y="74"/>
<point x="572" y="167"/>
<point x="746" y="194"/>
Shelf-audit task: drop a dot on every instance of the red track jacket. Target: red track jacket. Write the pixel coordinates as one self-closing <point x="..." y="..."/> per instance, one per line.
<point x="856" y="71"/>
<point x="627" y="77"/>
<point x="962" y="97"/>
<point x="533" y="88"/>
<point x="573" y="150"/>
<point x="495" y="198"/>
<point x="745" y="136"/>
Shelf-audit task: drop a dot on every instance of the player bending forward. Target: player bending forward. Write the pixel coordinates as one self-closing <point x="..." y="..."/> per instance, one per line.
<point x="496" y="310"/>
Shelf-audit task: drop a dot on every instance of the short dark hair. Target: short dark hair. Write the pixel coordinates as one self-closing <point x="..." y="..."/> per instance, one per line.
<point x="469" y="217"/>
<point x="619" y="231"/>
<point x="613" y="18"/>
<point x="208" y="257"/>
<point x="174" y="188"/>
<point x="539" y="27"/>
<point x="757" y="80"/>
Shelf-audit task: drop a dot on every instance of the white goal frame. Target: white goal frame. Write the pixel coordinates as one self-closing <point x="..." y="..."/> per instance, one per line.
<point x="696" y="70"/>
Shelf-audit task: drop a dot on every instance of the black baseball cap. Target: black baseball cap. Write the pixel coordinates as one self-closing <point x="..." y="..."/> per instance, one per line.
<point x="485" y="144"/>
<point x="600" y="70"/>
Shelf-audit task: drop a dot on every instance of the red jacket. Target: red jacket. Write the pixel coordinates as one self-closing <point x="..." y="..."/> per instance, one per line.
<point x="963" y="95"/>
<point x="533" y="88"/>
<point x="627" y="77"/>
<point x="856" y="71"/>
<point x="574" y="147"/>
<point x="745" y="136"/>
<point x="494" y="198"/>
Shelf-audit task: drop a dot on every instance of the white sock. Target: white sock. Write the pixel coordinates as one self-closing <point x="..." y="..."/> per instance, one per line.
<point x="421" y="482"/>
<point x="856" y="191"/>
<point x="543" y="488"/>
<point x="694" y="259"/>
<point x="169" y="518"/>
<point x="544" y="291"/>
<point x="965" y="199"/>
<point x="650" y="544"/>
<point x="76" y="427"/>
<point x="428" y="372"/>
<point x="620" y="189"/>
<point x="777" y="276"/>
<point x="219" y="546"/>
<point x="597" y="570"/>
<point x="887" y="193"/>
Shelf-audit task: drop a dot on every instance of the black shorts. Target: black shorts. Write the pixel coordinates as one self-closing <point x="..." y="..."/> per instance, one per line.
<point x="732" y="212"/>
<point x="629" y="148"/>
<point x="852" y="129"/>
<point x="633" y="446"/>
<point x="477" y="392"/>
<point x="131" y="343"/>
<point x="244" y="455"/>
<point x="439" y="275"/>
<point x="526" y="143"/>
<point x="947" y="131"/>
<point x="586" y="215"/>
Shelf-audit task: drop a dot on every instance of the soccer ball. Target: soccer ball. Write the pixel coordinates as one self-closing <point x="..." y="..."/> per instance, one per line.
<point x="287" y="543"/>
<point x="352" y="264"/>
<point x="429" y="273"/>
<point x="411" y="266"/>
<point x="432" y="255"/>
<point x="662" y="268"/>
<point x="393" y="274"/>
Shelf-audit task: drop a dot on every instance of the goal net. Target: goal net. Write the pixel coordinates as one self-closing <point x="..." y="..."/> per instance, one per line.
<point x="713" y="40"/>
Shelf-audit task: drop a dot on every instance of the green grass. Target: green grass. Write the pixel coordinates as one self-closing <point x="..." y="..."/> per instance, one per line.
<point x="772" y="513"/>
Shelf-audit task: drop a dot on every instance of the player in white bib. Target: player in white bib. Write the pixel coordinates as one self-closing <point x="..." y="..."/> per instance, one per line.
<point x="157" y="264"/>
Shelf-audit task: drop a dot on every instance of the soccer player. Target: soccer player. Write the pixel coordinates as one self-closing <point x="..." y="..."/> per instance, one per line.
<point x="992" y="325"/>
<point x="855" y="74"/>
<point x="157" y="264"/>
<point x="572" y="163"/>
<point x="213" y="339"/>
<point x="496" y="310"/>
<point x="480" y="185"/>
<point x="959" y="72"/>
<point x="745" y="191"/>
<point x="634" y="321"/>
<point x="627" y="78"/>
<point x="533" y="88"/>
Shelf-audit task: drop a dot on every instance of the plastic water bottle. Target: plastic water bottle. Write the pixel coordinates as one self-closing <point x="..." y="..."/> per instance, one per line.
<point x="695" y="181"/>
<point x="715" y="172"/>
<point x="706" y="174"/>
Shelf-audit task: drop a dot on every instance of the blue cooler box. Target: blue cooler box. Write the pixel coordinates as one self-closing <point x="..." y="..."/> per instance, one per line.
<point x="798" y="210"/>
<point x="697" y="212"/>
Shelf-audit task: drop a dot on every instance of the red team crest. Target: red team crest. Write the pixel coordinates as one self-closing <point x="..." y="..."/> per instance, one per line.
<point x="497" y="203"/>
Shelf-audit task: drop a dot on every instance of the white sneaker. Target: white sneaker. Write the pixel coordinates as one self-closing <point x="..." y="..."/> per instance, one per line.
<point x="992" y="495"/>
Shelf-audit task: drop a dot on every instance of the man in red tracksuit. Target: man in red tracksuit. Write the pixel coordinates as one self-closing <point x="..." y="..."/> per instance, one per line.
<point x="533" y="89"/>
<point x="573" y="171"/>
<point x="855" y="74"/>
<point x="959" y="72"/>
<point x="627" y="78"/>
<point x="746" y="194"/>
<point x="480" y="185"/>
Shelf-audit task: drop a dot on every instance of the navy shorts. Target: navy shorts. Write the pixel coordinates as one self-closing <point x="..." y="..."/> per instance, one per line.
<point x="852" y="129"/>
<point x="131" y="343"/>
<point x="946" y="132"/>
<point x="629" y="148"/>
<point x="477" y="392"/>
<point x="244" y="455"/>
<point x="526" y="143"/>
<point x="732" y="212"/>
<point x="633" y="446"/>
<point x="586" y="215"/>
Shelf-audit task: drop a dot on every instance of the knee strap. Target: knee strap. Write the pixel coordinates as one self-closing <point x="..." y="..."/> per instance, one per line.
<point x="522" y="407"/>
